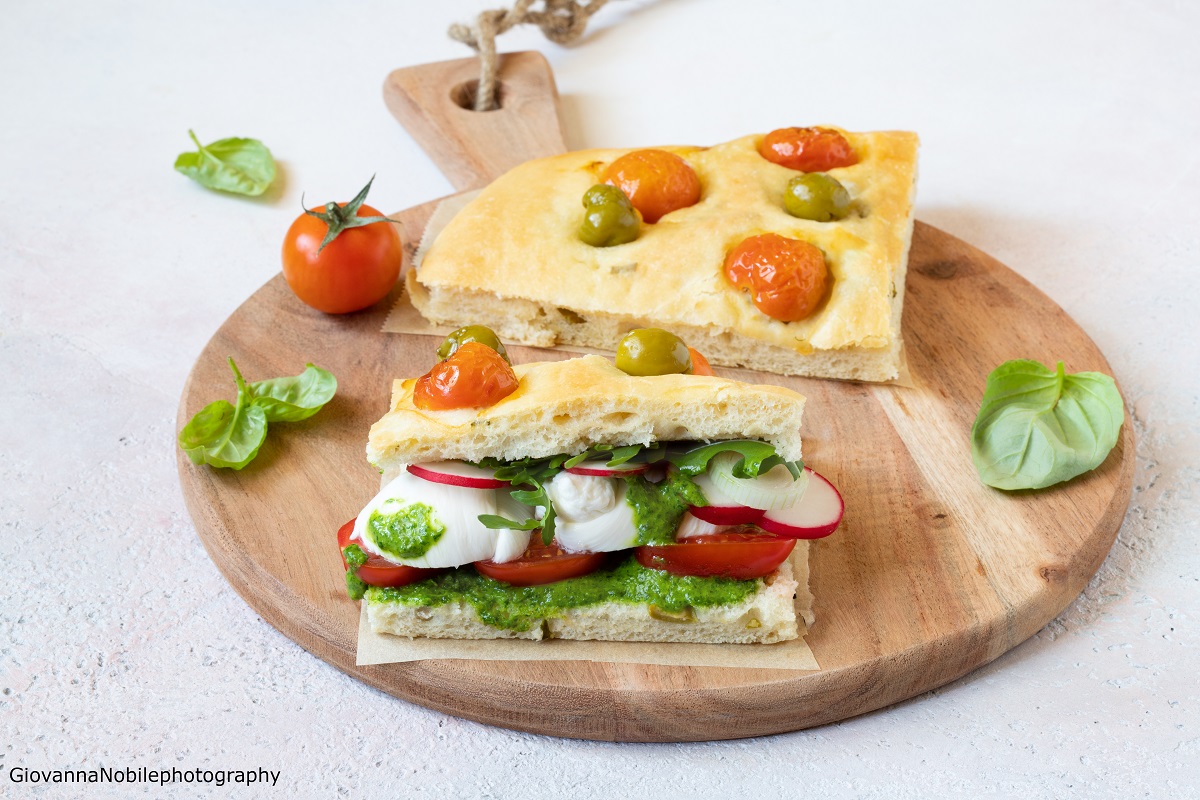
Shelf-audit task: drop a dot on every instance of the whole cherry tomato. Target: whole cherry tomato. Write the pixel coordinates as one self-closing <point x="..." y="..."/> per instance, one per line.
<point x="807" y="149"/>
<point x="786" y="277"/>
<point x="475" y="376"/>
<point x="656" y="182"/>
<point x="342" y="257"/>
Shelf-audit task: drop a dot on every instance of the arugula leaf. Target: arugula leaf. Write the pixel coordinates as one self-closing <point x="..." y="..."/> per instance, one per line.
<point x="295" y="398"/>
<point x="1038" y="427"/>
<point x="225" y="435"/>
<point x="621" y="455"/>
<point x="241" y="166"/>
<point x="754" y="455"/>
<point x="529" y="475"/>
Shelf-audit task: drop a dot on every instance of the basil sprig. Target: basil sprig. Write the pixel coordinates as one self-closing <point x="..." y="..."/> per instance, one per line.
<point x="241" y="166"/>
<point x="1037" y="427"/>
<point x="294" y="398"/>
<point x="756" y="458"/>
<point x="225" y="434"/>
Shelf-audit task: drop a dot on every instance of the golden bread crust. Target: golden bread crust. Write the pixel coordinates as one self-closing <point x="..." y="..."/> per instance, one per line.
<point x="567" y="406"/>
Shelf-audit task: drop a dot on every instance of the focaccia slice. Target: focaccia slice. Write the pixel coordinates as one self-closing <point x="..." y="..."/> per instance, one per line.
<point x="568" y="406"/>
<point x="512" y="259"/>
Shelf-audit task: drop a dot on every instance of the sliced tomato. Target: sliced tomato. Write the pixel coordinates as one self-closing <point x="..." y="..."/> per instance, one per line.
<point x="744" y="552"/>
<point x="379" y="571"/>
<point x="542" y="563"/>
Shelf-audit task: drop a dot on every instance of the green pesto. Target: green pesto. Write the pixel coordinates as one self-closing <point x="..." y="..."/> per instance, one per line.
<point x="408" y="532"/>
<point x="355" y="558"/>
<point x="658" y="507"/>
<point x="520" y="608"/>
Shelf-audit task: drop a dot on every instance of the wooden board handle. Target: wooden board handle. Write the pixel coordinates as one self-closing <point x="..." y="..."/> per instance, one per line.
<point x="473" y="148"/>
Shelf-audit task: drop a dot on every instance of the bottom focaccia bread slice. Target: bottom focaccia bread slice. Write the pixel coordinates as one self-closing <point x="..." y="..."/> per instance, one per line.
<point x="766" y="615"/>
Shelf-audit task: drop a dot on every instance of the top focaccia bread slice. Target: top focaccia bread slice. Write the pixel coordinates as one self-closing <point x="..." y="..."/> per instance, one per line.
<point x="568" y="406"/>
<point x="512" y="259"/>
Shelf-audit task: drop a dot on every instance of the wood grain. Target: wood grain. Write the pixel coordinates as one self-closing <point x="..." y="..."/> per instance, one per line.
<point x="474" y="147"/>
<point x="931" y="574"/>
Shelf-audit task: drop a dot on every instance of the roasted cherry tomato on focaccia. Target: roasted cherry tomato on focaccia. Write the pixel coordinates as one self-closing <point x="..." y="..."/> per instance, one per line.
<point x="656" y="182"/>
<point x="379" y="571"/>
<point x="786" y="277"/>
<point x="474" y="376"/>
<point x="541" y="564"/>
<point x="807" y="149"/>
<point x="342" y="257"/>
<point x="743" y="553"/>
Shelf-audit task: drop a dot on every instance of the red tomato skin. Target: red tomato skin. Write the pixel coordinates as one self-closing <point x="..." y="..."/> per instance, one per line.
<point x="787" y="278"/>
<point x="476" y="376"/>
<point x="700" y="365"/>
<point x="354" y="271"/>
<point x="742" y="553"/>
<point x="808" y="149"/>
<point x="655" y="181"/>
<point x="379" y="571"/>
<point x="542" y="564"/>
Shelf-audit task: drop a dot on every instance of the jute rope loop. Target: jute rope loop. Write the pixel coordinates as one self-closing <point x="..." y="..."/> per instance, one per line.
<point x="563" y="21"/>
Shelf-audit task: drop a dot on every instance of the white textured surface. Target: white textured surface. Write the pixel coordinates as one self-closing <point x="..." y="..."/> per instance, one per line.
<point x="1060" y="138"/>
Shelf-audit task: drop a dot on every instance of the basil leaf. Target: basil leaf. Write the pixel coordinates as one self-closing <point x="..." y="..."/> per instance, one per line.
<point x="295" y="398"/>
<point x="1038" y="427"/>
<point x="241" y="166"/>
<point x="753" y="452"/>
<point x="224" y="435"/>
<point x="494" y="522"/>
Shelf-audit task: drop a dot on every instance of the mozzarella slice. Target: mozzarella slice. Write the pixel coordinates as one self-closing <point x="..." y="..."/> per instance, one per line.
<point x="690" y="526"/>
<point x="456" y="507"/>
<point x="510" y="544"/>
<point x="592" y="515"/>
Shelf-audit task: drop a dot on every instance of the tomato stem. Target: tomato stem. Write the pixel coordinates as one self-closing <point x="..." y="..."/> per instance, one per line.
<point x="339" y="218"/>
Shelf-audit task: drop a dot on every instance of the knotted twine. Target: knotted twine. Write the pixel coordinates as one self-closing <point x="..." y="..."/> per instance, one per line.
<point x="562" y="21"/>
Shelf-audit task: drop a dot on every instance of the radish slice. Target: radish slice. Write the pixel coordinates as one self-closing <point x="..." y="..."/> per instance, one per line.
<point x="817" y="514"/>
<point x="772" y="490"/>
<point x="600" y="469"/>
<point x="727" y="515"/>
<point x="721" y="509"/>
<point x="457" y="473"/>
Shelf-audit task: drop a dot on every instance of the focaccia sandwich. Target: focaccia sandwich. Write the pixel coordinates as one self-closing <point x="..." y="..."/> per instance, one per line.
<point x="574" y="500"/>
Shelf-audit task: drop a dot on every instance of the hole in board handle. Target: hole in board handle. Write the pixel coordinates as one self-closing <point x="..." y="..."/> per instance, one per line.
<point x="463" y="95"/>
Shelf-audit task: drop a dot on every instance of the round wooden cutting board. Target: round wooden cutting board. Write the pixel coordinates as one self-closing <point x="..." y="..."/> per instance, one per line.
<point x="931" y="574"/>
